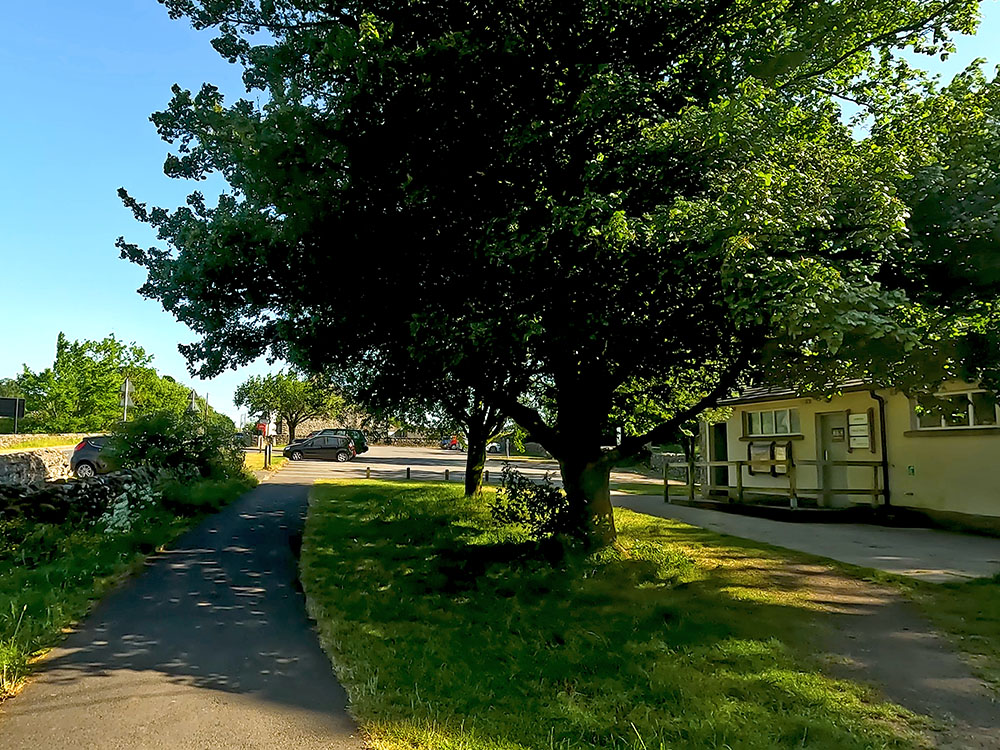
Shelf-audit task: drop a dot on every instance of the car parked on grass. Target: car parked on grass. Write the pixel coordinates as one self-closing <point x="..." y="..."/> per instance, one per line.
<point x="325" y="447"/>
<point x="359" y="438"/>
<point x="91" y="457"/>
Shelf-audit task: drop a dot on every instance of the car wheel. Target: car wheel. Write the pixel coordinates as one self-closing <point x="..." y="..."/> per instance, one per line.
<point x="296" y="455"/>
<point x="343" y="456"/>
<point x="85" y="470"/>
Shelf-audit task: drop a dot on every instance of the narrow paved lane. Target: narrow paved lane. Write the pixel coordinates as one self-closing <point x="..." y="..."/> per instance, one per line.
<point x="209" y="648"/>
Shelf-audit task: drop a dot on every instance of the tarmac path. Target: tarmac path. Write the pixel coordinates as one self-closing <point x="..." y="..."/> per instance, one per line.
<point x="209" y="648"/>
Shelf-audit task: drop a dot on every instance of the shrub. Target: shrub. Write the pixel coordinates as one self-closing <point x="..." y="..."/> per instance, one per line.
<point x="541" y="508"/>
<point x="183" y="443"/>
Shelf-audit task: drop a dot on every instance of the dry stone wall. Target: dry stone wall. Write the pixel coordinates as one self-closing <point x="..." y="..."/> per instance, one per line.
<point x="30" y="466"/>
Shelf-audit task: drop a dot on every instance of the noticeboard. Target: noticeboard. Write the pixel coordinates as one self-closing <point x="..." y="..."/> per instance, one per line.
<point x="12" y="407"/>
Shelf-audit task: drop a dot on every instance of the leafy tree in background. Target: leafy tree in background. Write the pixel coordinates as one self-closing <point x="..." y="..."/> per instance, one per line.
<point x="290" y="397"/>
<point x="81" y="392"/>
<point x="606" y="197"/>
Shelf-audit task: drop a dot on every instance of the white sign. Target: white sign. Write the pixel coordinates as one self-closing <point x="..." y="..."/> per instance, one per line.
<point x="857" y="418"/>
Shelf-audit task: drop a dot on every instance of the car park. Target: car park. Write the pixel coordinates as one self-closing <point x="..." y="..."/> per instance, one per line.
<point x="323" y="447"/>
<point x="359" y="437"/>
<point x="91" y="456"/>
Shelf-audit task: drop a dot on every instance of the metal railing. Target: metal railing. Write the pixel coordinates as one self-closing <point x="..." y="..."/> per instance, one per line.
<point x="793" y="490"/>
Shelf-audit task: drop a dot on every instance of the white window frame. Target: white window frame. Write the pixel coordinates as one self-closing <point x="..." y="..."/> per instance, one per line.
<point x="971" y="412"/>
<point x="748" y="421"/>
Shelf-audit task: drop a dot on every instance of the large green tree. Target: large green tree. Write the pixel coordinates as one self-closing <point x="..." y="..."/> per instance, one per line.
<point x="80" y="392"/>
<point x="606" y="196"/>
<point x="290" y="397"/>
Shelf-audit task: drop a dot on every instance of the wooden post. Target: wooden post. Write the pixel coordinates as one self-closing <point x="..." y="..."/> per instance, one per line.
<point x="368" y="472"/>
<point x="447" y="474"/>
<point x="407" y="472"/>
<point x="793" y="497"/>
<point x="666" y="481"/>
<point x="739" y="481"/>
<point x="691" y="474"/>
<point x="486" y="476"/>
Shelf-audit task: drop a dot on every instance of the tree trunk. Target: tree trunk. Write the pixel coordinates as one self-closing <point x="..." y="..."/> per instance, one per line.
<point x="475" y="457"/>
<point x="587" y="486"/>
<point x="291" y="431"/>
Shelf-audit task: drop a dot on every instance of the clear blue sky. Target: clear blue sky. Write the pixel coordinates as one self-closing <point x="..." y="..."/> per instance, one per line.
<point x="79" y="81"/>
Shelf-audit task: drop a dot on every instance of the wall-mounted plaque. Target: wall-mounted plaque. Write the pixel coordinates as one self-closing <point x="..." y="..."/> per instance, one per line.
<point x="857" y="418"/>
<point x="860" y="441"/>
<point x="857" y="430"/>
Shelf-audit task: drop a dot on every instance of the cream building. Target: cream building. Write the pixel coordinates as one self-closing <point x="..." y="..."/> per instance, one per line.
<point x="938" y="454"/>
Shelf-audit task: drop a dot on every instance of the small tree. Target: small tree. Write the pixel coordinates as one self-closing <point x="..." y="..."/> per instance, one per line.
<point x="289" y="396"/>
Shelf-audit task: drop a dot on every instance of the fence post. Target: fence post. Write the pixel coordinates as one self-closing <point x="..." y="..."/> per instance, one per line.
<point x="666" y="482"/>
<point x="267" y="456"/>
<point x="739" y="481"/>
<point x="407" y="472"/>
<point x="691" y="480"/>
<point x="368" y="472"/>
<point x="447" y="474"/>
<point x="486" y="476"/>
<point x="793" y="497"/>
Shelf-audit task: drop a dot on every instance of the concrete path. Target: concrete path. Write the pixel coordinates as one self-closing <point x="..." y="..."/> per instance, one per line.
<point x="927" y="554"/>
<point x="209" y="648"/>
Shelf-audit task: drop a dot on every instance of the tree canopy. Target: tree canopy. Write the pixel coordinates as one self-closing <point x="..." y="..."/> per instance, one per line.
<point x="617" y="201"/>
<point x="80" y="392"/>
<point x="290" y="397"/>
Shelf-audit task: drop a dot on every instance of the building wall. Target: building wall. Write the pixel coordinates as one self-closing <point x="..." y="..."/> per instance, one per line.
<point x="957" y="472"/>
<point x="804" y="445"/>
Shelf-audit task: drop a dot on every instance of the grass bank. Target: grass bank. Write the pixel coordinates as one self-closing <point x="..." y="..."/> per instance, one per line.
<point x="51" y="574"/>
<point x="450" y="633"/>
<point x="36" y="442"/>
<point x="255" y="461"/>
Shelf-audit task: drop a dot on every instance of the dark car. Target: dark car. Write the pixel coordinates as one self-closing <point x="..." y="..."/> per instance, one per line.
<point x="327" y="447"/>
<point x="92" y="456"/>
<point x="359" y="438"/>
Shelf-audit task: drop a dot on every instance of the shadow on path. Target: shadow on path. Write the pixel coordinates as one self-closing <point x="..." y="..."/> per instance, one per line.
<point x="211" y="646"/>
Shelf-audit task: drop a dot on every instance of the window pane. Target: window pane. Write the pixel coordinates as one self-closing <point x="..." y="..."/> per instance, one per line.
<point x="957" y="414"/>
<point x="767" y="423"/>
<point x="984" y="408"/>
<point x="793" y="421"/>
<point x="755" y="423"/>
<point x="929" y="411"/>
<point x="781" y="422"/>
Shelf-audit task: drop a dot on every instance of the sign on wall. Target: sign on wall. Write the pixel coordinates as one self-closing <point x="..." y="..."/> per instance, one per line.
<point x="859" y="431"/>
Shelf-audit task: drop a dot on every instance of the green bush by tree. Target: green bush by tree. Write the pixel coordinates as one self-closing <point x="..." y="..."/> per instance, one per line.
<point x="183" y="443"/>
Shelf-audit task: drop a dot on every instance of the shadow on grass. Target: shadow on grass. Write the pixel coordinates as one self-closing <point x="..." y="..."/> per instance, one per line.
<point x="445" y="626"/>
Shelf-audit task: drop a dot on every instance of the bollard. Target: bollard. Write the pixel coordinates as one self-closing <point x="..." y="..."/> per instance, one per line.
<point x="407" y="472"/>
<point x="486" y="476"/>
<point x="447" y="474"/>
<point x="368" y="472"/>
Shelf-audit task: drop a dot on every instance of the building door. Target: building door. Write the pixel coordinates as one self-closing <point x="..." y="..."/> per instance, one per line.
<point x="720" y="452"/>
<point x="832" y="447"/>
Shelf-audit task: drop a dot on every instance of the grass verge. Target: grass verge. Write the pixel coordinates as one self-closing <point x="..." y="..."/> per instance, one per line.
<point x="50" y="575"/>
<point x="255" y="461"/>
<point x="29" y="442"/>
<point x="454" y="634"/>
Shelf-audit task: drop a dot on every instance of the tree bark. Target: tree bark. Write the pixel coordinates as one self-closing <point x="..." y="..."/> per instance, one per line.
<point x="291" y="430"/>
<point x="477" y="435"/>
<point x="588" y="488"/>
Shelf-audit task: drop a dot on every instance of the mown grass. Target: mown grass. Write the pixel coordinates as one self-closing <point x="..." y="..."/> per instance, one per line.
<point x="52" y="575"/>
<point x="36" y="442"/>
<point x="453" y="634"/>
<point x="255" y="461"/>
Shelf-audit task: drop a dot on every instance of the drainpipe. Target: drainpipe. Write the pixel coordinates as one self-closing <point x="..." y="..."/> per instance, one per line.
<point x="885" y="448"/>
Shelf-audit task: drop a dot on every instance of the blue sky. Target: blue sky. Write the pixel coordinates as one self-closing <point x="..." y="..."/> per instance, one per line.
<point x="80" y="80"/>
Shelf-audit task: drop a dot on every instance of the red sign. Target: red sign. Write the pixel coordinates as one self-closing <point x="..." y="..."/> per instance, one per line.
<point x="262" y="428"/>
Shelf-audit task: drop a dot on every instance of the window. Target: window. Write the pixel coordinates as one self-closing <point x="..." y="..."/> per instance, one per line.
<point x="956" y="410"/>
<point x="773" y="422"/>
